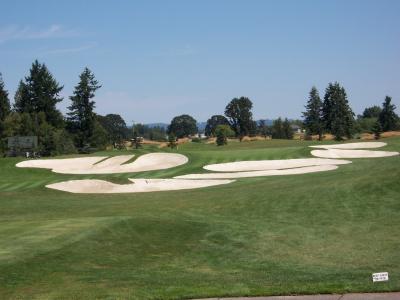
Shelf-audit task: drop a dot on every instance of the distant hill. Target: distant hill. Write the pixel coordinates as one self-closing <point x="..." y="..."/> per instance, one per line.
<point x="162" y="125"/>
<point x="268" y="122"/>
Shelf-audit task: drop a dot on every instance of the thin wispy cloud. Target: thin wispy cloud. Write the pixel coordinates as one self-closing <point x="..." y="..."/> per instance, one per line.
<point x="69" y="50"/>
<point x="14" y="32"/>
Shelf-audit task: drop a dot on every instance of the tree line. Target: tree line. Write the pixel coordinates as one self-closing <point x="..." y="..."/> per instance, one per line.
<point x="334" y="115"/>
<point x="331" y="115"/>
<point x="35" y="113"/>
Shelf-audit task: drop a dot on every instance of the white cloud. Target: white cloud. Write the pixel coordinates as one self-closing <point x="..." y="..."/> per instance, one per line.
<point x="14" y="32"/>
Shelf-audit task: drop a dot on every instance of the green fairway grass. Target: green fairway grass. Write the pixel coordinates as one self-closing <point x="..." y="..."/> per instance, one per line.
<point x="314" y="233"/>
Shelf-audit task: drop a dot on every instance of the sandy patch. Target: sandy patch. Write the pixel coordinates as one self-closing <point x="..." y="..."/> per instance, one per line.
<point x="97" y="165"/>
<point x="390" y="134"/>
<point x="94" y="186"/>
<point x="232" y="175"/>
<point x="81" y="162"/>
<point x="361" y="145"/>
<point x="342" y="153"/>
<point x="262" y="165"/>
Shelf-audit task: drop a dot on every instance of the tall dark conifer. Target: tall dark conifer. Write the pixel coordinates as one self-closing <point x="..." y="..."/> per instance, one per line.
<point x="81" y="117"/>
<point x="388" y="118"/>
<point x="40" y="92"/>
<point x="4" y="101"/>
<point x="313" y="122"/>
<point x="336" y="113"/>
<point x="4" y="109"/>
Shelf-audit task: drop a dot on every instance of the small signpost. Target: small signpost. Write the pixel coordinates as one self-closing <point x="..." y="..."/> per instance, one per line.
<point x="22" y="145"/>
<point x="383" y="276"/>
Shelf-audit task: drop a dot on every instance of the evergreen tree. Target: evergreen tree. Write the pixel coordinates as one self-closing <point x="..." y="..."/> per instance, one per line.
<point x="287" y="130"/>
<point x="40" y="93"/>
<point x="372" y="112"/>
<point x="263" y="129"/>
<point x="313" y="115"/>
<point x="4" y="112"/>
<point x="337" y="115"/>
<point x="4" y="101"/>
<point x="81" y="118"/>
<point x="377" y="130"/>
<point x="277" y="129"/>
<point x="388" y="118"/>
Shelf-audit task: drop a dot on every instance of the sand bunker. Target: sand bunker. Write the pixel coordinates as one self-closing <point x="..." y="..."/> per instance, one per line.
<point x="349" y="150"/>
<point x="365" y="145"/>
<point x="104" y="165"/>
<point x="340" y="153"/>
<point x="262" y="165"/>
<point x="329" y="159"/>
<point x="94" y="186"/>
<point x="293" y="171"/>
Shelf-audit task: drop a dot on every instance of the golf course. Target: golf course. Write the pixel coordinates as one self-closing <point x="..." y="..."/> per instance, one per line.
<point x="322" y="232"/>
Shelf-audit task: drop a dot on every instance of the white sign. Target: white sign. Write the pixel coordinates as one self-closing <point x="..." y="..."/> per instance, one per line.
<point x="383" y="276"/>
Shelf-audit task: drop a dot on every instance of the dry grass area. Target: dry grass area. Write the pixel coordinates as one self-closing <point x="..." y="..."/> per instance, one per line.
<point x="390" y="134"/>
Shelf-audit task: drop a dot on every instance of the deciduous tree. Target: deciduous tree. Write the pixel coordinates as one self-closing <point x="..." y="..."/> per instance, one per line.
<point x="213" y="122"/>
<point x="183" y="126"/>
<point x="238" y="111"/>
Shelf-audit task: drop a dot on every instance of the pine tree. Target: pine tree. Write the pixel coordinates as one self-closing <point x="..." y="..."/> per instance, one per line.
<point x="277" y="129"/>
<point x="313" y="115"/>
<point x="4" y="112"/>
<point x="388" y="118"/>
<point x="40" y="93"/>
<point x="377" y="130"/>
<point x="81" y="118"/>
<point x="336" y="113"/>
<point x="4" y="101"/>
<point x="287" y="130"/>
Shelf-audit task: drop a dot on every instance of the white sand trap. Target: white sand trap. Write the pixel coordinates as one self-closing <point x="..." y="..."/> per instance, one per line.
<point x="263" y="165"/>
<point x="97" y="165"/>
<point x="341" y="153"/>
<point x="293" y="171"/>
<point x="80" y="162"/>
<point x="94" y="186"/>
<point x="364" y="145"/>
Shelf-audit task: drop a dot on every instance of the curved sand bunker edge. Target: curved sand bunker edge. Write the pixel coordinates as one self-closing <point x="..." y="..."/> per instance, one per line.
<point x="96" y="186"/>
<point x="108" y="165"/>
<point x="360" y="145"/>
<point x="264" y="173"/>
<point x="264" y="165"/>
<point x="343" y="153"/>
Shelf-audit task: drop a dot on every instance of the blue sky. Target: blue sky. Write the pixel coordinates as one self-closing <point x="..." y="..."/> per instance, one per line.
<point x="158" y="59"/>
